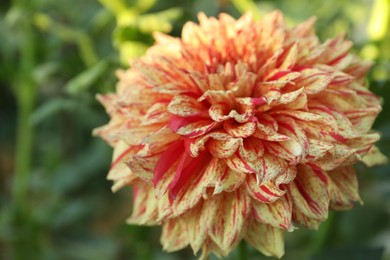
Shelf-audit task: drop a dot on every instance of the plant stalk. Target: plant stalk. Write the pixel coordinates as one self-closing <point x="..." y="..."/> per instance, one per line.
<point x="242" y="253"/>
<point x="25" y="92"/>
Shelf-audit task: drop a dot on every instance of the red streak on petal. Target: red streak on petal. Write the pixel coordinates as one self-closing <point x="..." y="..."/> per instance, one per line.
<point x="120" y="157"/>
<point x="365" y="93"/>
<point x="299" y="68"/>
<point x="247" y="167"/>
<point x="317" y="170"/>
<point x="191" y="170"/>
<point x="234" y="212"/>
<point x="266" y="190"/>
<point x="225" y="174"/>
<point x="279" y="74"/>
<point x="167" y="159"/>
<point x="187" y="144"/>
<point x="283" y="225"/>
<point x="261" y="197"/>
<point x="258" y="101"/>
<point x="177" y="122"/>
<point x="323" y="109"/>
<point x="176" y="179"/>
<point x="287" y="126"/>
<point x="135" y="193"/>
<point x="337" y="59"/>
<point x="244" y="210"/>
<point x="338" y="137"/>
<point x="313" y="205"/>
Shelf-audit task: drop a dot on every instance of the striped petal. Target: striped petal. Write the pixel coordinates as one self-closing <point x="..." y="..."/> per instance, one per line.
<point x="144" y="206"/>
<point x="265" y="193"/>
<point x="230" y="218"/>
<point x="276" y="214"/>
<point x="183" y="105"/>
<point x="265" y="238"/>
<point x="343" y="188"/>
<point x="310" y="196"/>
<point x="174" y="235"/>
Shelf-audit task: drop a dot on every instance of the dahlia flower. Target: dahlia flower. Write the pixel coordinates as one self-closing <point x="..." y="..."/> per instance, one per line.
<point x="240" y="129"/>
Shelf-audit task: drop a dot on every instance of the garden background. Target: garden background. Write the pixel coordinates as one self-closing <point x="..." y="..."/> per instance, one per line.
<point x="55" y="201"/>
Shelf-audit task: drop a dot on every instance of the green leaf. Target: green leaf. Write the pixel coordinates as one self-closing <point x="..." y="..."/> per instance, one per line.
<point x="51" y="108"/>
<point x="144" y="5"/>
<point x="43" y="72"/>
<point x="87" y="78"/>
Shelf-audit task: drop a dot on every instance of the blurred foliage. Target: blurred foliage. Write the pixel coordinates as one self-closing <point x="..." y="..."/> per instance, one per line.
<point x="56" y="55"/>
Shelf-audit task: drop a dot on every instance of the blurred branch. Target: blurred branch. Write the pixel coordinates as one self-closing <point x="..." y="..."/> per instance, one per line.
<point x="81" y="39"/>
<point x="25" y="92"/>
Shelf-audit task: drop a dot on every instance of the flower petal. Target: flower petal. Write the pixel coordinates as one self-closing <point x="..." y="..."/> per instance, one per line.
<point x="230" y="218"/>
<point x="156" y="114"/>
<point x="191" y="127"/>
<point x="167" y="159"/>
<point x="265" y="238"/>
<point x="314" y="80"/>
<point x="239" y="130"/>
<point x="251" y="149"/>
<point x="236" y="163"/>
<point x="184" y="106"/>
<point x="374" y="157"/>
<point x="144" y="206"/>
<point x="174" y="235"/>
<point x="264" y="193"/>
<point x="310" y="196"/>
<point x="223" y="148"/>
<point x="198" y="221"/>
<point x="221" y="177"/>
<point x="276" y="214"/>
<point x="343" y="187"/>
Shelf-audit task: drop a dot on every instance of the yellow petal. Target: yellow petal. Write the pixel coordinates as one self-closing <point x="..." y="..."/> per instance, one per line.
<point x="156" y="114"/>
<point x="197" y="226"/>
<point x="239" y="130"/>
<point x="374" y="157"/>
<point x="144" y="206"/>
<point x="310" y="195"/>
<point x="276" y="214"/>
<point x="265" y="193"/>
<point x="231" y="215"/>
<point x="183" y="105"/>
<point x="265" y="238"/>
<point x="174" y="235"/>
<point x="223" y="148"/>
<point x="343" y="188"/>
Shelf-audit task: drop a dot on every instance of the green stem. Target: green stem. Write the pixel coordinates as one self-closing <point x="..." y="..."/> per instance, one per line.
<point x="324" y="234"/>
<point x="242" y="252"/>
<point x="25" y="92"/>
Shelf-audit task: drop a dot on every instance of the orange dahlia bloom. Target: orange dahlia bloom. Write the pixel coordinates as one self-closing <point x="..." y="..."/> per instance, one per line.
<point x="240" y="130"/>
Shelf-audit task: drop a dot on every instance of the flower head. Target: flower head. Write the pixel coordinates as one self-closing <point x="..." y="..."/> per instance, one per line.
<point x="240" y="130"/>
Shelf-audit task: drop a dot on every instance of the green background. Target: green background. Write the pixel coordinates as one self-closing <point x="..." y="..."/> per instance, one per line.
<point x="55" y="55"/>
